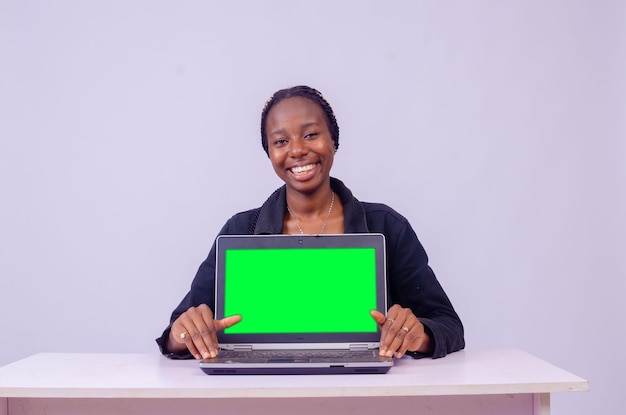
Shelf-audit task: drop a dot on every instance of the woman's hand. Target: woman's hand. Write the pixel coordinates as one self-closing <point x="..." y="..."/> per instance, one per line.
<point x="196" y="330"/>
<point x="401" y="331"/>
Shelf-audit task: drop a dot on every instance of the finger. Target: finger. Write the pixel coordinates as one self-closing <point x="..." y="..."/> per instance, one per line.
<point x="393" y="314"/>
<point x="207" y="339"/>
<point x="182" y="330"/>
<point x="393" y="336"/>
<point x="191" y="346"/>
<point x="194" y="321"/>
<point x="410" y="340"/>
<point x="179" y="332"/>
<point x="389" y="329"/>
<point x="209" y="333"/>
<point x="227" y="322"/>
<point x="389" y="343"/>
<point x="201" y="338"/>
<point x="417" y="339"/>
<point x="378" y="317"/>
<point x="409" y="337"/>
<point x="221" y="325"/>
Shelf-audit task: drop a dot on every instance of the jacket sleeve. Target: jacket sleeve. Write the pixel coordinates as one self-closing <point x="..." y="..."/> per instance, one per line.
<point x="413" y="285"/>
<point x="202" y="289"/>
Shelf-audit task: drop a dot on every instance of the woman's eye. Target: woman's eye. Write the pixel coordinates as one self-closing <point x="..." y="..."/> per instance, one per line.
<point x="279" y="141"/>
<point x="310" y="135"/>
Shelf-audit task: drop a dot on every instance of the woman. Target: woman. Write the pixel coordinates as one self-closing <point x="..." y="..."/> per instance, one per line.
<point x="300" y="135"/>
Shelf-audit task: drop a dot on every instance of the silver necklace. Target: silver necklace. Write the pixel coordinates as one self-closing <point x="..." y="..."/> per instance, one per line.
<point x="330" y="209"/>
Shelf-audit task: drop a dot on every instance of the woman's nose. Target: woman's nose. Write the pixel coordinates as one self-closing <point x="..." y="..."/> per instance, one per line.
<point x="297" y="148"/>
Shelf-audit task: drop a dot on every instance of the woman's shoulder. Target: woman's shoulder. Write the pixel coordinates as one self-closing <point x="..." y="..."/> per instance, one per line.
<point x="381" y="210"/>
<point x="242" y="222"/>
<point x="384" y="219"/>
<point x="397" y="230"/>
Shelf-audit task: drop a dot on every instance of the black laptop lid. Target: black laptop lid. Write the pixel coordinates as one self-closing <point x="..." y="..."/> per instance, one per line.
<point x="300" y="288"/>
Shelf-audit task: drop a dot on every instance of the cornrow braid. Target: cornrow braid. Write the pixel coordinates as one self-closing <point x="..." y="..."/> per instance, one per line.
<point x="302" y="91"/>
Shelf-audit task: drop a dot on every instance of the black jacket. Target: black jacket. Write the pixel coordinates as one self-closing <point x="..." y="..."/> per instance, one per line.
<point x="410" y="280"/>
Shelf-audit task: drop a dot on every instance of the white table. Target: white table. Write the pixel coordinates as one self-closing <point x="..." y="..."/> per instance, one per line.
<point x="466" y="382"/>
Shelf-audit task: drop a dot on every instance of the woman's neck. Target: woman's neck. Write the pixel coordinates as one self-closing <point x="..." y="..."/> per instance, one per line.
<point x="312" y="205"/>
<point x="321" y="212"/>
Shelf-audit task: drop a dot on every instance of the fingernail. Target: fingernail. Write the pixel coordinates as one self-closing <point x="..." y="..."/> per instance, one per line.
<point x="213" y="352"/>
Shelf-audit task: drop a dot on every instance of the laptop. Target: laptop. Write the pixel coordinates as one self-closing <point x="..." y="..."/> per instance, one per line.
<point x="305" y="303"/>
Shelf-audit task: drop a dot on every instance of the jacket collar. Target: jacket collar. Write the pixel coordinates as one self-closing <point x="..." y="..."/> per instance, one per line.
<point x="272" y="213"/>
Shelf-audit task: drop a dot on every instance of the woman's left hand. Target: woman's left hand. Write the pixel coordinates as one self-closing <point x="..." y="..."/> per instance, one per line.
<point x="401" y="331"/>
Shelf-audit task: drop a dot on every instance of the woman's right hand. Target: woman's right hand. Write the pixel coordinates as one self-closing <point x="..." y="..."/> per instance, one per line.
<point x="196" y="330"/>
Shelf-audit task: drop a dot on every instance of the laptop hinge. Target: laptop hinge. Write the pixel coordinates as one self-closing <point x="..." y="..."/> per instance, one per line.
<point x="357" y="347"/>
<point x="243" y="347"/>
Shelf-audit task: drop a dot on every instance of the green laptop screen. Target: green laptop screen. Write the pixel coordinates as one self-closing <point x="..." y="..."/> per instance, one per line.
<point x="310" y="290"/>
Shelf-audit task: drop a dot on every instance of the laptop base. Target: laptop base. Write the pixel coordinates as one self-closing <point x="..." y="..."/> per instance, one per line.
<point x="297" y="370"/>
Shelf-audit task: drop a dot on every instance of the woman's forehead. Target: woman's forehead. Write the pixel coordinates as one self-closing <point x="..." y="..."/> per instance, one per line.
<point x="295" y="109"/>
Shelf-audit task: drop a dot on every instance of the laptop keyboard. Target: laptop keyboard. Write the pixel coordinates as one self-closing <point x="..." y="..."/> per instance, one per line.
<point x="300" y="355"/>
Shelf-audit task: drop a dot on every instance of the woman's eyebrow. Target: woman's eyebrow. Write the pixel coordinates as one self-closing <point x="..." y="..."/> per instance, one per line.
<point x="282" y="131"/>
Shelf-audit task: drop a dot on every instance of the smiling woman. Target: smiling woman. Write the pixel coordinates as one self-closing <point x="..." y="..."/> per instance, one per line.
<point x="300" y="135"/>
<point x="301" y="149"/>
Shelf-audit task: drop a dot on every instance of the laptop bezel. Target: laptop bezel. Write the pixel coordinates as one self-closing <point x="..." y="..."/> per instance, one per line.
<point x="305" y="340"/>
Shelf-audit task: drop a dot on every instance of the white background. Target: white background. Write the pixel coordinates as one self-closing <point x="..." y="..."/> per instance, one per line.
<point x="130" y="133"/>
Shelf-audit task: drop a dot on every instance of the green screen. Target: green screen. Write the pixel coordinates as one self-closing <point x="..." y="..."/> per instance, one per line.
<point x="301" y="290"/>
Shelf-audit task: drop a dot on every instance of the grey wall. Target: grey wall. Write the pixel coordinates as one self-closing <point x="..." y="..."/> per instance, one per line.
<point x="129" y="135"/>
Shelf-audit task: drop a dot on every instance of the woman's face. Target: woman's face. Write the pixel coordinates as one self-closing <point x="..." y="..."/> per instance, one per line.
<point x="300" y="145"/>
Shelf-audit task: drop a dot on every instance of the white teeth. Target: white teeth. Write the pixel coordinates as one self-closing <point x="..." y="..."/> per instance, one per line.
<point x="302" y="169"/>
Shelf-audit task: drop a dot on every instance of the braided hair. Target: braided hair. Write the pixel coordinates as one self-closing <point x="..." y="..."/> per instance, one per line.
<point x="301" y="91"/>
